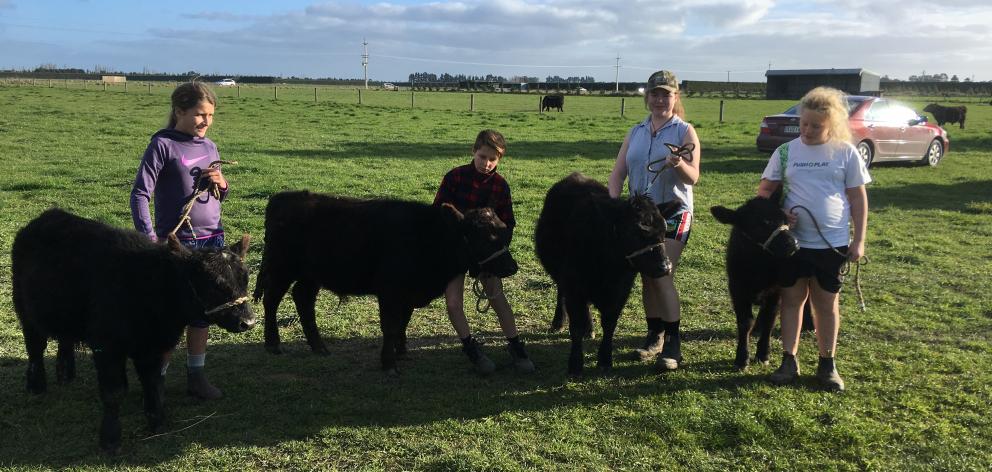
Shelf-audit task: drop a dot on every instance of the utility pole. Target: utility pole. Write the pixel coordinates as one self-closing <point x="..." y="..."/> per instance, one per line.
<point x="618" y="74"/>
<point x="365" y="61"/>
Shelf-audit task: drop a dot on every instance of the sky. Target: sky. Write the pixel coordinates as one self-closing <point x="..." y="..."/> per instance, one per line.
<point x="718" y="40"/>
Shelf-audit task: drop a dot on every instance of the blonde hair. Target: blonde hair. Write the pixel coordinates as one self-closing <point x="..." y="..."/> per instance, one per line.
<point x="833" y="104"/>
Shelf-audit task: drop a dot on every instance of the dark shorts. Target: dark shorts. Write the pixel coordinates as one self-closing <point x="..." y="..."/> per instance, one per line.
<point x="824" y="264"/>
<point x="215" y="241"/>
<point x="679" y="227"/>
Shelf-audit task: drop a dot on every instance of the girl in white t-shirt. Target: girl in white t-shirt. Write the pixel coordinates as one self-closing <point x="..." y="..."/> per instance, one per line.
<point x="823" y="179"/>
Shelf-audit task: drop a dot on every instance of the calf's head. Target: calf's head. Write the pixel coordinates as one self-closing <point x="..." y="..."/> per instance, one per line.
<point x="219" y="279"/>
<point x="640" y="228"/>
<point x="761" y="221"/>
<point x="488" y="241"/>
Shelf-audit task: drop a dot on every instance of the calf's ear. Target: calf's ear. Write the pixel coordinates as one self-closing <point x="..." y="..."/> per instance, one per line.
<point x="241" y="247"/>
<point x="723" y="214"/>
<point x="177" y="247"/>
<point x="454" y="211"/>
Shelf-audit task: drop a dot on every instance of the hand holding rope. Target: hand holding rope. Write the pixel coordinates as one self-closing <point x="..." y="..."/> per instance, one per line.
<point x="684" y="152"/>
<point x="209" y="187"/>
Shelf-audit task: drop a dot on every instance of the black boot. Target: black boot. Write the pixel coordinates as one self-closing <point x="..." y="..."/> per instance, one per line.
<point x="653" y="342"/>
<point x="826" y="373"/>
<point x="521" y="361"/>
<point x="788" y="372"/>
<point x="472" y="349"/>
<point x="670" y="357"/>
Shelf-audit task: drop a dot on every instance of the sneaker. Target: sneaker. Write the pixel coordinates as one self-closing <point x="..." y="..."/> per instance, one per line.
<point x="482" y="364"/>
<point x="671" y="354"/>
<point x="786" y="373"/>
<point x="826" y="373"/>
<point x="198" y="386"/>
<point x="521" y="361"/>
<point x="653" y="343"/>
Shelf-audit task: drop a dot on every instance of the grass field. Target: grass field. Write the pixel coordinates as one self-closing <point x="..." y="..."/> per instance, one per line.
<point x="918" y="364"/>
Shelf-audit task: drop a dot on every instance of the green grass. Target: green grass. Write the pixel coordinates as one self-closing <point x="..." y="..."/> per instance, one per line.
<point x="916" y="364"/>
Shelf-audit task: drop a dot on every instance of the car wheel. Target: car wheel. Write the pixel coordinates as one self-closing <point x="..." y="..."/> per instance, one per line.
<point x="866" y="152"/>
<point x="935" y="151"/>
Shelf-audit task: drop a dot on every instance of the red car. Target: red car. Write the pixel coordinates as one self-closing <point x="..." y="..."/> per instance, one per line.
<point x="882" y="129"/>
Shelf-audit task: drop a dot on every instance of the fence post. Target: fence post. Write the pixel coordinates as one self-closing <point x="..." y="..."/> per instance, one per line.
<point x="540" y="101"/>
<point x="275" y="92"/>
<point x="315" y="94"/>
<point x="623" y="106"/>
<point x="149" y="88"/>
<point x="104" y="86"/>
<point x="359" y="96"/>
<point x="125" y="87"/>
<point x="49" y="83"/>
<point x="239" y="91"/>
<point x="721" y="111"/>
<point x="411" y="99"/>
<point x="471" y="102"/>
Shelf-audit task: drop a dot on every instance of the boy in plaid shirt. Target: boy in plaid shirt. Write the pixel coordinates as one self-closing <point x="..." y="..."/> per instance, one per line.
<point x="477" y="185"/>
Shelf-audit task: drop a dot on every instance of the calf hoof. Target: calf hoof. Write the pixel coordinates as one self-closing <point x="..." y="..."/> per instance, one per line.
<point x="110" y="449"/>
<point x="740" y="367"/>
<point x="319" y="349"/>
<point x="37" y="388"/>
<point x="761" y="360"/>
<point x="274" y="349"/>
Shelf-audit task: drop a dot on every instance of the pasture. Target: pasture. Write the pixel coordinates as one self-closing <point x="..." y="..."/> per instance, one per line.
<point x="918" y="364"/>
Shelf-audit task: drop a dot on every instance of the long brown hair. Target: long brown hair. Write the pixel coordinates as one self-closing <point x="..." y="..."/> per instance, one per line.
<point x="187" y="96"/>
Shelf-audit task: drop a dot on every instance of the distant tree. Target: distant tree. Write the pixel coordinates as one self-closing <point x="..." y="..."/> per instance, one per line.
<point x="954" y="78"/>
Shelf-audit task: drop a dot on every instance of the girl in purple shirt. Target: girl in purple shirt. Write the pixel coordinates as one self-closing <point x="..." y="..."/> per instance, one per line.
<point x="175" y="163"/>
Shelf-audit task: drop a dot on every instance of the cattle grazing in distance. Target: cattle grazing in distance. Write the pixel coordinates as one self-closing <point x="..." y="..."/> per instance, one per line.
<point x="592" y="246"/>
<point x="80" y="281"/>
<point x="403" y="252"/>
<point x="552" y="101"/>
<point x="944" y="114"/>
<point x="759" y="241"/>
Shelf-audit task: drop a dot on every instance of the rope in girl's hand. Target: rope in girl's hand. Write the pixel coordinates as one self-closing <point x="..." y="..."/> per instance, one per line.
<point x="210" y="187"/>
<point x="684" y="151"/>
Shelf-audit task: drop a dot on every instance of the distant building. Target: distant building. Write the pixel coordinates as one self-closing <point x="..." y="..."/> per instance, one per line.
<point x="793" y="84"/>
<point x="113" y="79"/>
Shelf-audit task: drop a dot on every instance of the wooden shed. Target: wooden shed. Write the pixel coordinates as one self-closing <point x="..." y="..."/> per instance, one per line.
<point x="793" y="84"/>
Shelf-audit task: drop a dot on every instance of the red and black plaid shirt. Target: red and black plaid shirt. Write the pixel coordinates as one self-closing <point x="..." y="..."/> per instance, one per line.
<point x="467" y="189"/>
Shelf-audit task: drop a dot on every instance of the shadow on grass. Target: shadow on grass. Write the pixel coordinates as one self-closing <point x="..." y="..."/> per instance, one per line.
<point x="933" y="196"/>
<point x="270" y="399"/>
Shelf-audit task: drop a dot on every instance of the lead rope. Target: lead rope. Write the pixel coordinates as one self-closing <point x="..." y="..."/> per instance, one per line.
<point x="684" y="151"/>
<point x="188" y="207"/>
<point x="482" y="299"/>
<point x="847" y="265"/>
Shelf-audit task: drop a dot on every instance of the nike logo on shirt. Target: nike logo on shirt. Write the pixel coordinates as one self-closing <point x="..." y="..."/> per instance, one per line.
<point x="189" y="162"/>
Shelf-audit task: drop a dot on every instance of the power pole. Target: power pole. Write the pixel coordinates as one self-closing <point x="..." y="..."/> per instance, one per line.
<point x="365" y="61"/>
<point x="618" y="74"/>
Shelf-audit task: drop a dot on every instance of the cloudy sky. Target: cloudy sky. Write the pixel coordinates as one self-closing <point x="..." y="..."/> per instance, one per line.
<point x="698" y="39"/>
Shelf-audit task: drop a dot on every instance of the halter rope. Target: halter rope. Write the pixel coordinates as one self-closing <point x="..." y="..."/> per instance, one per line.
<point x="847" y="265"/>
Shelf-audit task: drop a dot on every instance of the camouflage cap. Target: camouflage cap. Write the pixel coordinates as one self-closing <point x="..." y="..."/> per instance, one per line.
<point x="663" y="79"/>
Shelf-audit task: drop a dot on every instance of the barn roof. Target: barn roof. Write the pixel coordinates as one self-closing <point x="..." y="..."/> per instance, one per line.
<point x="770" y="73"/>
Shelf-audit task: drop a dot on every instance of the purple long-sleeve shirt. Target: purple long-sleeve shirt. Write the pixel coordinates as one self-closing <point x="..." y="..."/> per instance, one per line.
<point x="170" y="169"/>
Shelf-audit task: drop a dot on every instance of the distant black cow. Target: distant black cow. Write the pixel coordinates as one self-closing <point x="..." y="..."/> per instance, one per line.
<point x="77" y="280"/>
<point x="404" y="253"/>
<point x="947" y="114"/>
<point x="552" y="101"/>
<point x="592" y="246"/>
<point x="759" y="241"/>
